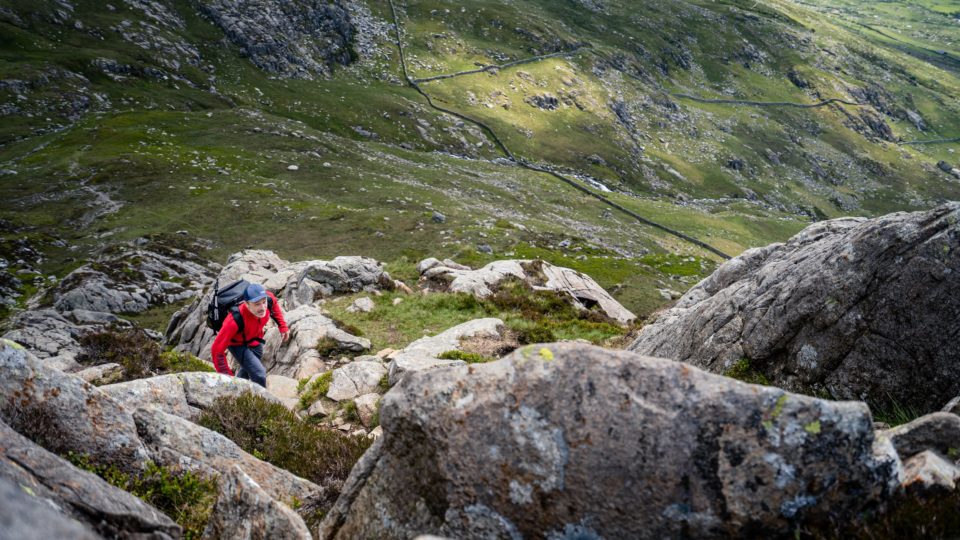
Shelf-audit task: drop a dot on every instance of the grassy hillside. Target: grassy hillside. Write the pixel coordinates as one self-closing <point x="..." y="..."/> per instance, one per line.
<point x="146" y="118"/>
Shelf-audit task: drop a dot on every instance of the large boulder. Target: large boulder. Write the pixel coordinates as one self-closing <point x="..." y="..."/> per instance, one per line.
<point x="182" y="394"/>
<point x="175" y="442"/>
<point x="298" y="286"/>
<point x="300" y="356"/>
<point x="27" y="517"/>
<point x="423" y="353"/>
<point x="571" y="439"/>
<point x="860" y="308"/>
<point x="63" y="413"/>
<point x="355" y="379"/>
<point x="578" y="287"/>
<point x="77" y="496"/>
<point x="245" y="512"/>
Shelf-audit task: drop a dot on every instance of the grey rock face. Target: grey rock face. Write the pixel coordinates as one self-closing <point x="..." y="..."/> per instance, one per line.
<point x="182" y="394"/>
<point x="299" y="39"/>
<point x="564" y="438"/>
<point x="245" y="512"/>
<point x="865" y="309"/>
<point x="175" y="442"/>
<point x="299" y="357"/>
<point x="580" y="288"/>
<point x="79" y="497"/>
<point x="67" y="413"/>
<point x="29" y="517"/>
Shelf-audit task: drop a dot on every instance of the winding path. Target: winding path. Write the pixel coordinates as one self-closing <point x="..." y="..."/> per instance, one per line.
<point x="495" y="67"/>
<point x="530" y="166"/>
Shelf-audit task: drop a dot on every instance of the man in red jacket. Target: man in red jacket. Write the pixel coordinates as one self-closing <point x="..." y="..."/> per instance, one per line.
<point x="246" y="342"/>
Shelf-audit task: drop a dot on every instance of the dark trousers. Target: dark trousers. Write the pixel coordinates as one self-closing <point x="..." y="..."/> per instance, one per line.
<point x="250" y="366"/>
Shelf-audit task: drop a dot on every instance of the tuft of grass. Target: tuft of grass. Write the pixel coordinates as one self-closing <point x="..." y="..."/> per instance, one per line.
<point x="383" y="386"/>
<point x="186" y="497"/>
<point x="743" y="371"/>
<point x="312" y="392"/>
<point x="350" y="412"/>
<point x="468" y="357"/>
<point x="894" y="413"/>
<point x="133" y="349"/>
<point x="181" y="362"/>
<point x="274" y="434"/>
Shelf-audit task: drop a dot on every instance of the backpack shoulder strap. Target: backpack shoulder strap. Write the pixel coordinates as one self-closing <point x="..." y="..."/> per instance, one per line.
<point x="238" y="318"/>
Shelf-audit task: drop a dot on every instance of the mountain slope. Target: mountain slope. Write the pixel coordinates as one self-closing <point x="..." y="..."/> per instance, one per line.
<point x="292" y="128"/>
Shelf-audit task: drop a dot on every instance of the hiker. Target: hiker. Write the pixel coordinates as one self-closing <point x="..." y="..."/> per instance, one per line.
<point x="245" y="341"/>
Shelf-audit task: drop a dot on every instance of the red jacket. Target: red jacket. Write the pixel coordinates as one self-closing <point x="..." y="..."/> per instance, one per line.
<point x="253" y="327"/>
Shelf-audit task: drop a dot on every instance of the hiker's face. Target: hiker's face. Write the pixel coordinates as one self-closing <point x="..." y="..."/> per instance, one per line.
<point x="258" y="308"/>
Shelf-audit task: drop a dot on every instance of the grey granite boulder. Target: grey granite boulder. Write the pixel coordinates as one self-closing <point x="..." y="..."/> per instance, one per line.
<point x="63" y="413"/>
<point x="861" y="308"/>
<point x="300" y="357"/>
<point x="579" y="288"/>
<point x="182" y="394"/>
<point x="422" y="354"/>
<point x="75" y="495"/>
<point x="571" y="440"/>
<point x="355" y="379"/>
<point x="245" y="512"/>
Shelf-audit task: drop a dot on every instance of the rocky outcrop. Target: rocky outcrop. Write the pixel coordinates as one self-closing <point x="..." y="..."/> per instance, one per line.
<point x="300" y="356"/>
<point x="175" y="442"/>
<point x="63" y="413"/>
<point x="423" y="353"/>
<point x="859" y="308"/>
<point x="182" y="394"/>
<point x="299" y="39"/>
<point x="80" y="504"/>
<point x="558" y="440"/>
<point x="579" y="288"/>
<point x="127" y="278"/>
<point x="245" y="512"/>
<point x="298" y="286"/>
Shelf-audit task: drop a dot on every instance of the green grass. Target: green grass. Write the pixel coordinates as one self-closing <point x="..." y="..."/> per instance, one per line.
<point x="743" y="371"/>
<point x="310" y="393"/>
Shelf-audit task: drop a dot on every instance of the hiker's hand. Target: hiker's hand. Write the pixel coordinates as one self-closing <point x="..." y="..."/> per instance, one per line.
<point x="285" y="336"/>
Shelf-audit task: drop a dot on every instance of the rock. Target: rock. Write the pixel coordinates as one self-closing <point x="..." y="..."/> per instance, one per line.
<point x="245" y="512"/>
<point x="63" y="413"/>
<point x="77" y="496"/>
<point x="293" y="168"/>
<point x="362" y="305"/>
<point x="282" y="387"/>
<point x="938" y="431"/>
<point x="944" y="166"/>
<point x="485" y="248"/>
<point x="357" y="378"/>
<point x="318" y="409"/>
<point x="27" y="517"/>
<point x="102" y="374"/>
<point x="916" y="119"/>
<point x="367" y="407"/>
<point x="182" y="394"/>
<point x="299" y="357"/>
<point x="50" y="336"/>
<point x="422" y="353"/>
<point x="579" y="288"/>
<point x="928" y="472"/>
<point x="437" y="217"/>
<point x="952" y="406"/>
<point x="174" y="441"/>
<point x="375" y="433"/>
<point x="298" y="41"/>
<point x="863" y="308"/>
<point x="297" y="285"/>
<point x="561" y="438"/>
<point x="546" y="101"/>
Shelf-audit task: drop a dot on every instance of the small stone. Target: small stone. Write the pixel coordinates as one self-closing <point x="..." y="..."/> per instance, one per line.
<point x="317" y="409"/>
<point x="293" y="168"/>
<point x="396" y="301"/>
<point x="485" y="248"/>
<point x="367" y="407"/>
<point x="438" y="217"/>
<point x="361" y="305"/>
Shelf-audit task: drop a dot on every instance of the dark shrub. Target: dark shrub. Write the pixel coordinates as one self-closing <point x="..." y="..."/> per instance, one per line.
<point x="272" y="433"/>
<point x="131" y="348"/>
